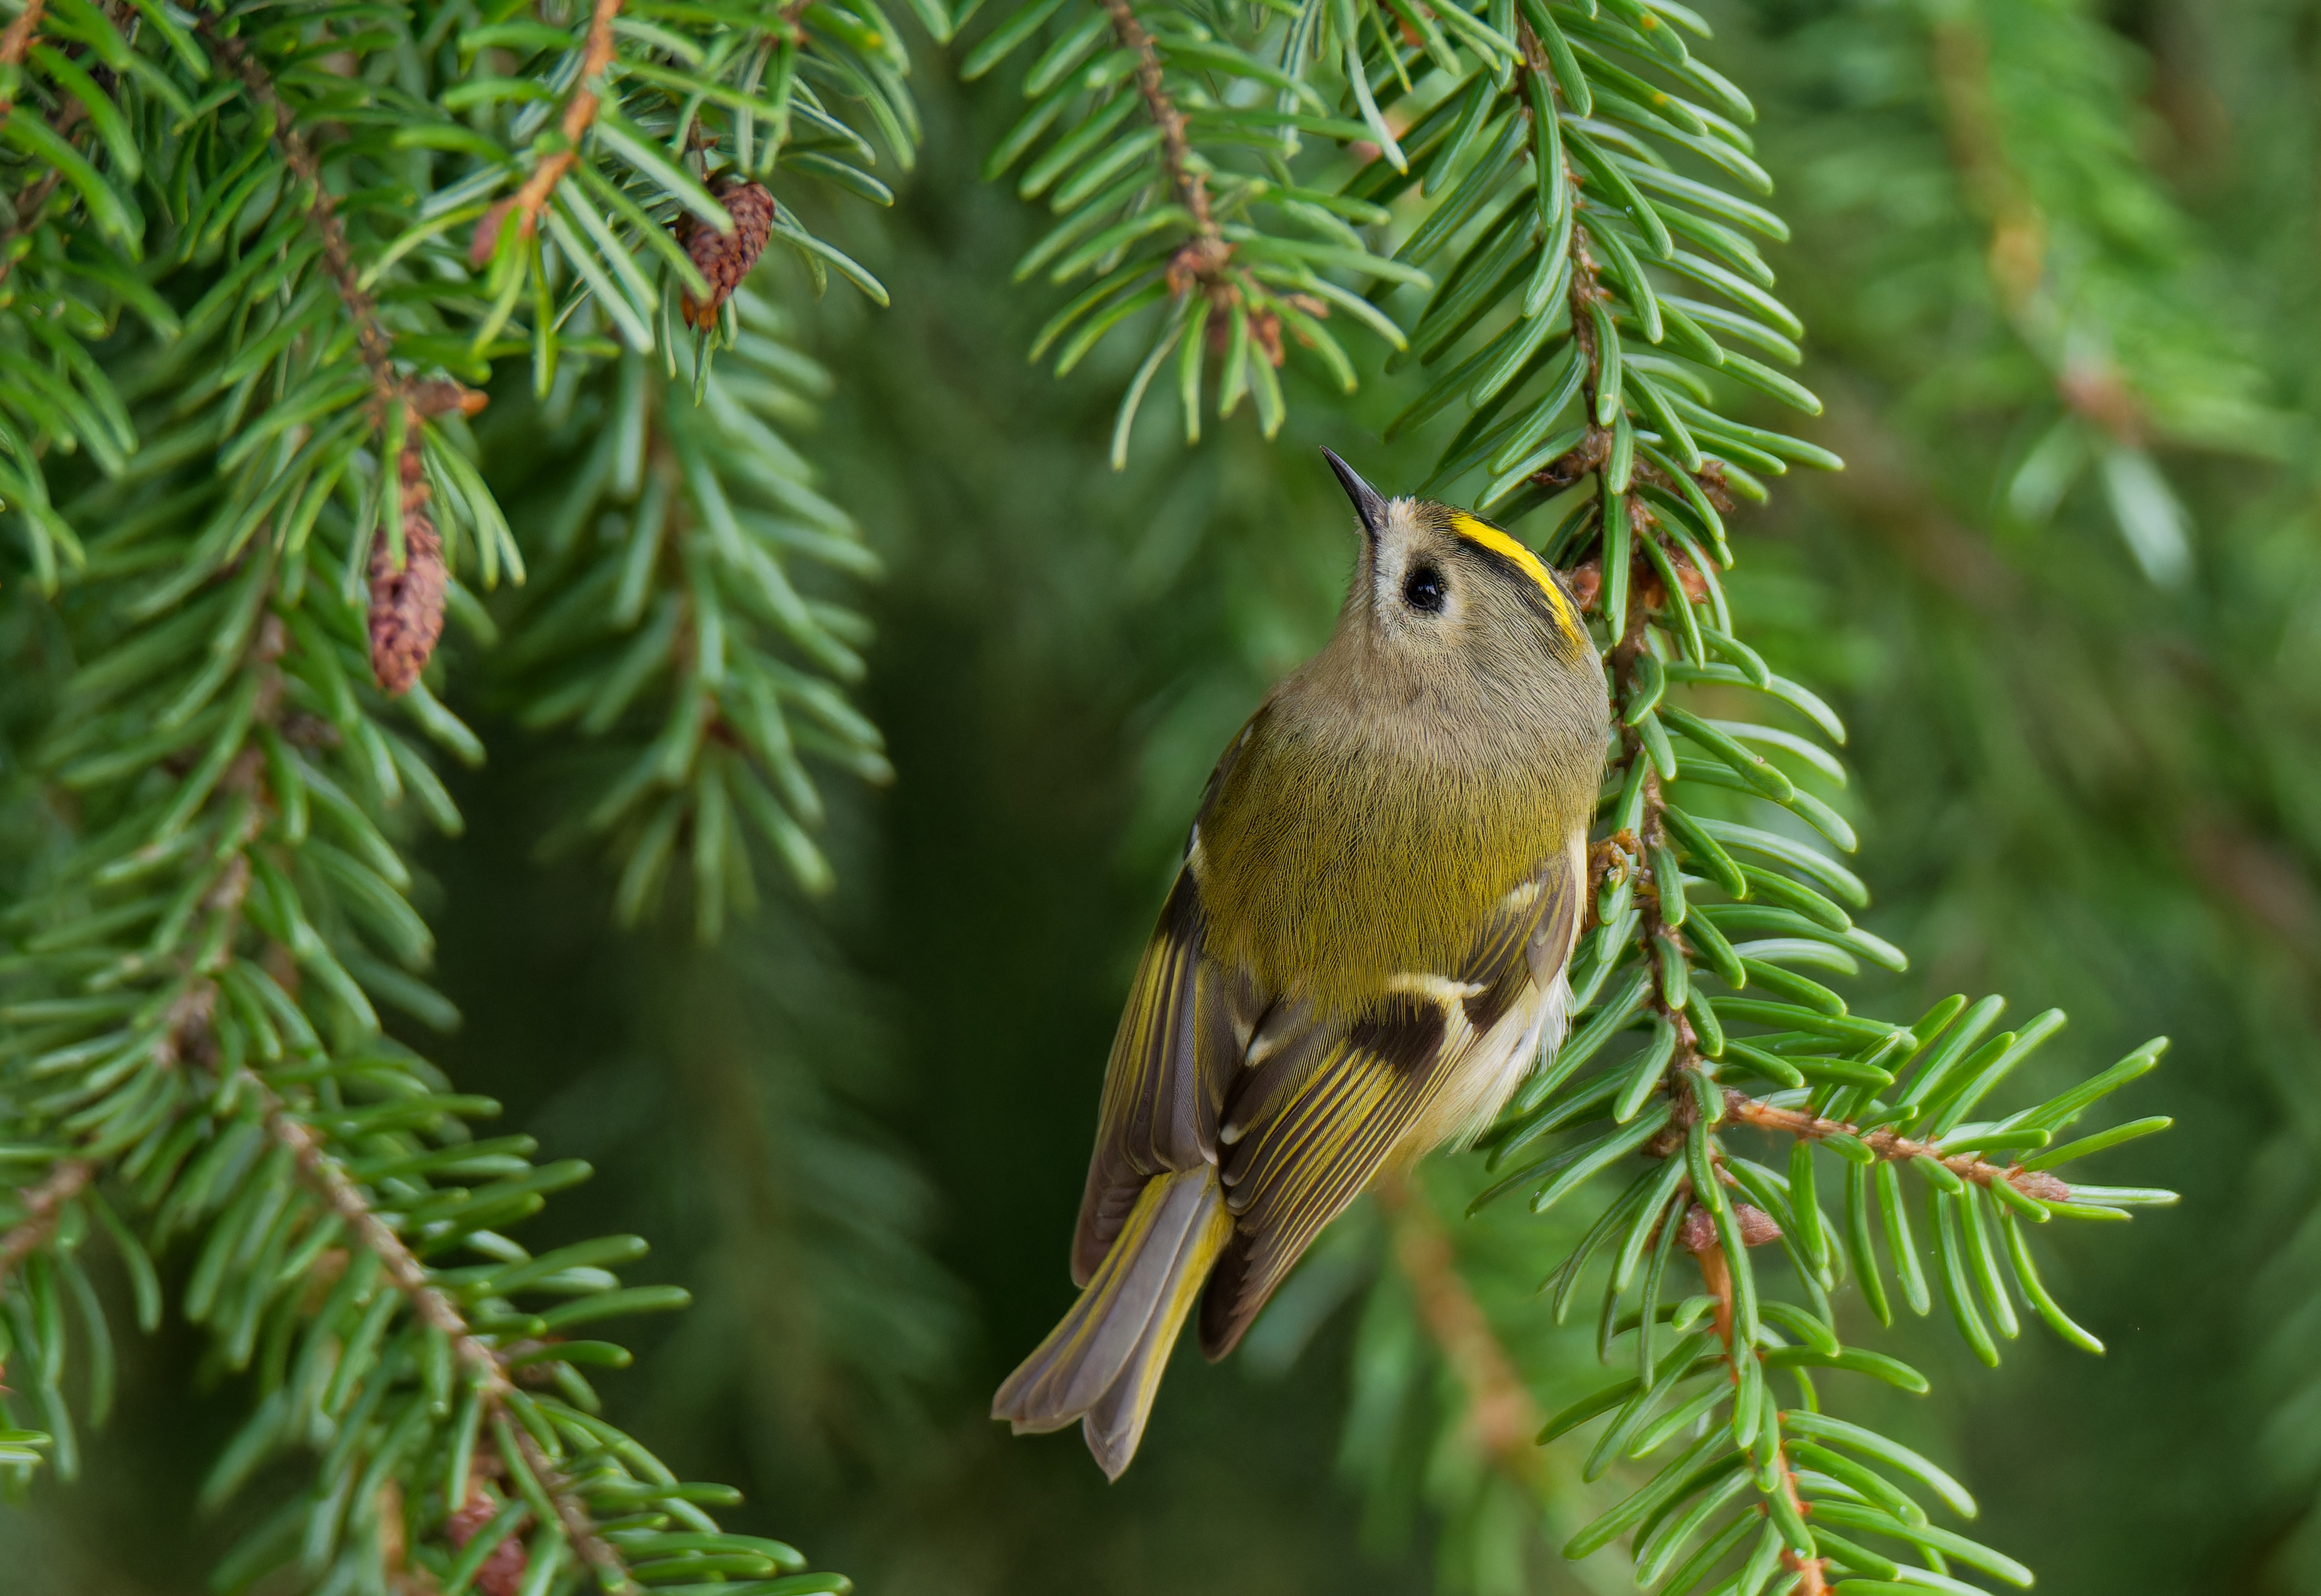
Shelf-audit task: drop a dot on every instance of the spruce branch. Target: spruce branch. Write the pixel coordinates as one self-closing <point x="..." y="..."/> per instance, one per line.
<point x="327" y="1178"/>
<point x="710" y="674"/>
<point x="1999" y="505"/>
<point x="372" y="339"/>
<point x="1699" y="1238"/>
<point x="1182" y="182"/>
<point x="193" y="977"/>
<point x="218" y="905"/>
<point x="580" y="114"/>
<point x="1892" y="1147"/>
<point x="687" y="647"/>
<point x="486" y="1366"/>
<point x="43" y="1203"/>
<point x="1570" y="252"/>
<point x="1204" y="256"/>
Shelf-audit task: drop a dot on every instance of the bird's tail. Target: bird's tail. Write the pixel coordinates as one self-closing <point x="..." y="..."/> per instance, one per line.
<point x="1101" y="1364"/>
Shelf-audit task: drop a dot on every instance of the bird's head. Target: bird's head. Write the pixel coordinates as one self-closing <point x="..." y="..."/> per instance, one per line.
<point x="1436" y="586"/>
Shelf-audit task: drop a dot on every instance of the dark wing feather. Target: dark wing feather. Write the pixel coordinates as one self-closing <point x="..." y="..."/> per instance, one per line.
<point x="1304" y="1149"/>
<point x="1181" y="1036"/>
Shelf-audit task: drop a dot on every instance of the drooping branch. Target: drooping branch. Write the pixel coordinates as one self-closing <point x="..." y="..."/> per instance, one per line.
<point x="1204" y="256"/>
<point x="580" y="115"/>
<point x="371" y="336"/>
<point x="1187" y="187"/>
<point x="323" y="1175"/>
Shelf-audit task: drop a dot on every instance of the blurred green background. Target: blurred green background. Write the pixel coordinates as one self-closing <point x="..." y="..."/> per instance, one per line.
<point x="857" y="1130"/>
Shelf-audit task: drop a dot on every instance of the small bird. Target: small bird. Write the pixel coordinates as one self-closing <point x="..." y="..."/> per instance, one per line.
<point x="1361" y="957"/>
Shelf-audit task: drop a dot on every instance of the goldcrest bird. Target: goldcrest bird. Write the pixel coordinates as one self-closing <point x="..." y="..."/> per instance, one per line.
<point x="1361" y="957"/>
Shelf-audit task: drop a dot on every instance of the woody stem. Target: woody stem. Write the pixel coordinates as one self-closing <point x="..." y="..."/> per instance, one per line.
<point x="324" y="1176"/>
<point x="1190" y="189"/>
<point x="1717" y="1277"/>
<point x="43" y="1207"/>
<point x="1893" y="1148"/>
<point x="579" y="113"/>
<point x="338" y="257"/>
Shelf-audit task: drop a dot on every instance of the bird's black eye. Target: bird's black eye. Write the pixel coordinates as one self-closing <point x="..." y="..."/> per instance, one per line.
<point x="1423" y="589"/>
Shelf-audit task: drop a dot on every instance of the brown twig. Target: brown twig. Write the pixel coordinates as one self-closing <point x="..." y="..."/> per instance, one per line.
<point x="324" y="1176"/>
<point x="16" y="38"/>
<point x="1717" y="1276"/>
<point x="43" y="1207"/>
<point x="1894" y="1147"/>
<point x="1189" y="188"/>
<point x="579" y="113"/>
<point x="1499" y="1408"/>
<point x="1203" y="256"/>
<point x="338" y="258"/>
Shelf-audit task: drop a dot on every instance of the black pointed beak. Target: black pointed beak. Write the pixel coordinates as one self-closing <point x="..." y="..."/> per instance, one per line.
<point x="1368" y="505"/>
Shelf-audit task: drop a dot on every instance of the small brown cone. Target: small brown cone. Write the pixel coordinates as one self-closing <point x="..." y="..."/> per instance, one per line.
<point x="406" y="605"/>
<point x="1758" y="1227"/>
<point x="504" y="1567"/>
<point x="725" y="258"/>
<point x="1699" y="1233"/>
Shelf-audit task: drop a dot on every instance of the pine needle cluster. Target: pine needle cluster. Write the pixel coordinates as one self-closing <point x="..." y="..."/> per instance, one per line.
<point x="299" y="295"/>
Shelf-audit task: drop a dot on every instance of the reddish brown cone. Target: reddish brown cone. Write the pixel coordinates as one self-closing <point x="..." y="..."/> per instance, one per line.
<point x="503" y="1571"/>
<point x="406" y="605"/>
<point x="725" y="258"/>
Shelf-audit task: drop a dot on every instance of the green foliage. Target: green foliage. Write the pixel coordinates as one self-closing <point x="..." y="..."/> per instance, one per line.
<point x="2127" y="760"/>
<point x="237" y="326"/>
<point x="252" y="253"/>
<point x="1191" y="166"/>
<point x="1595" y="288"/>
<point x="664" y="611"/>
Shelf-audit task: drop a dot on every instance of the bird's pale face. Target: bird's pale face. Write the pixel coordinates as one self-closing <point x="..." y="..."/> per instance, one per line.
<point x="1422" y="601"/>
<point x="1435" y="584"/>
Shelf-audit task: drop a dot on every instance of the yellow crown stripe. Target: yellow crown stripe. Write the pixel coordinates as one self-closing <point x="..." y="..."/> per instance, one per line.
<point x="1498" y="542"/>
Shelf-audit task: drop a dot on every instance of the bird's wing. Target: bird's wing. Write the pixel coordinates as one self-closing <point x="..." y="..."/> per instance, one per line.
<point x="1181" y="1036"/>
<point x="1317" y="1110"/>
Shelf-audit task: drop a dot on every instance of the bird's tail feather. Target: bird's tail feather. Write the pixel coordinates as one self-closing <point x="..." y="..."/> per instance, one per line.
<point x="1103" y="1364"/>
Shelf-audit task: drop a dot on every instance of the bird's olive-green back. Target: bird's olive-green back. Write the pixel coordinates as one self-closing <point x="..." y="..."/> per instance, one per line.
<point x="1395" y="786"/>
